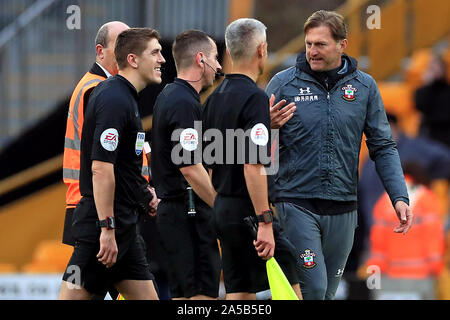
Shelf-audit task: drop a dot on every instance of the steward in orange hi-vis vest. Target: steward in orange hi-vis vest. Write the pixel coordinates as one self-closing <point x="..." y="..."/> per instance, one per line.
<point x="72" y="143"/>
<point x="418" y="254"/>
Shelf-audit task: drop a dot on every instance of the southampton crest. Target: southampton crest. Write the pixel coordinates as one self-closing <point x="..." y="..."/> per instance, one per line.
<point x="349" y="92"/>
<point x="308" y="259"/>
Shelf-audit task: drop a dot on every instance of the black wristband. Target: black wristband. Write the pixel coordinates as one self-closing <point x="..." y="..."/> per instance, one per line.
<point x="266" y="216"/>
<point x="109" y="223"/>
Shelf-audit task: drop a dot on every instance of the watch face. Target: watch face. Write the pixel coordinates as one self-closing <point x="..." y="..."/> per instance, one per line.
<point x="110" y="223"/>
<point x="266" y="217"/>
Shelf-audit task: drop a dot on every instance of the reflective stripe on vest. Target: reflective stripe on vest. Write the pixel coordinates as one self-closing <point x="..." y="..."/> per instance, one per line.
<point x="72" y="144"/>
<point x="145" y="167"/>
<point x="72" y="141"/>
<point x="75" y="143"/>
<point x="72" y="174"/>
<point x="420" y="252"/>
<point x="144" y="172"/>
<point x="88" y="85"/>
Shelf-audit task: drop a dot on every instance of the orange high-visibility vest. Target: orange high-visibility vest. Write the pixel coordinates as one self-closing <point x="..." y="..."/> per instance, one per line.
<point x="72" y="143"/>
<point x="145" y="167"/>
<point x="418" y="254"/>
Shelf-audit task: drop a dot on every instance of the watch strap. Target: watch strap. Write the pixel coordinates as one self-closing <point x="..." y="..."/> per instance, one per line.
<point x="266" y="216"/>
<point x="108" y="223"/>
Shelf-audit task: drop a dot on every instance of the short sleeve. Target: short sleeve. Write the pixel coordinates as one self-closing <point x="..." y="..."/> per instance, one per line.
<point x="111" y="117"/>
<point x="206" y="138"/>
<point x="256" y="124"/>
<point x="184" y="119"/>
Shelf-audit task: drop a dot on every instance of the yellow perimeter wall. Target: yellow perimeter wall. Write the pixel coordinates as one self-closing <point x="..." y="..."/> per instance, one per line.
<point x="26" y="222"/>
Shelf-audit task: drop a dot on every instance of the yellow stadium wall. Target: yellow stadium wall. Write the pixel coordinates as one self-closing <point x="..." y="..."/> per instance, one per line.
<point x="26" y="222"/>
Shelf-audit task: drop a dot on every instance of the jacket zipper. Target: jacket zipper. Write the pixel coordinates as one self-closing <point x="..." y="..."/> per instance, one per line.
<point x="327" y="143"/>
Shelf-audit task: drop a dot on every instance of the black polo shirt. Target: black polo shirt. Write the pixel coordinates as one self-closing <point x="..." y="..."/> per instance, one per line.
<point x="112" y="132"/>
<point x="176" y="137"/>
<point x="236" y="108"/>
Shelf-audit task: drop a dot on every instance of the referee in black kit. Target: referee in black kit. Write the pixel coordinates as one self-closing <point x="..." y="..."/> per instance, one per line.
<point x="107" y="250"/>
<point x="184" y="216"/>
<point x="239" y="105"/>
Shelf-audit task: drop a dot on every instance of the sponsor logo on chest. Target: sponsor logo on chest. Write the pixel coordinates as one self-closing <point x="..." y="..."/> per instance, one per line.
<point x="305" y="94"/>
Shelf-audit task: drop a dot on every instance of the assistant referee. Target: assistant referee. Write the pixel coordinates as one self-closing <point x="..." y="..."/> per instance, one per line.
<point x="185" y="223"/>
<point x="239" y="105"/>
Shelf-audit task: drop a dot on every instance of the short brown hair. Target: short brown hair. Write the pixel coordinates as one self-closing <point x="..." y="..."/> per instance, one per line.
<point x="133" y="40"/>
<point x="186" y="46"/>
<point x="333" y="20"/>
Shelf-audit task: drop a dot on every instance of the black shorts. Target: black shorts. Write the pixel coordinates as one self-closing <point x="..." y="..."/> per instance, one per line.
<point x="84" y="268"/>
<point x="67" y="232"/>
<point x="84" y="222"/>
<point x="191" y="247"/>
<point x="243" y="269"/>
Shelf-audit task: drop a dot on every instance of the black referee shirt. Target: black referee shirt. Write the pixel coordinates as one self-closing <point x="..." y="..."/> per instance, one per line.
<point x="176" y="138"/>
<point x="112" y="132"/>
<point x="236" y="106"/>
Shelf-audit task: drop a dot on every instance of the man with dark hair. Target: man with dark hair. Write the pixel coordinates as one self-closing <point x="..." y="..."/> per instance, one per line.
<point x="238" y="105"/>
<point x="184" y="217"/>
<point x="319" y="151"/>
<point x="107" y="250"/>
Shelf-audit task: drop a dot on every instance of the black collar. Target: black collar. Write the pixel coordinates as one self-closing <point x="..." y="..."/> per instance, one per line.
<point x="186" y="84"/>
<point x="128" y="83"/>
<point x="239" y="76"/>
<point x="97" y="70"/>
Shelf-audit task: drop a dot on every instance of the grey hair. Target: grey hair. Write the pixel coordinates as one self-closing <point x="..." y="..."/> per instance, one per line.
<point x="243" y="36"/>
<point x="102" y="35"/>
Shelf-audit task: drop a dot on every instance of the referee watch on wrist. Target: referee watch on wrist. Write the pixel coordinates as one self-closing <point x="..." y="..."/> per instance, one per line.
<point x="266" y="216"/>
<point x="109" y="223"/>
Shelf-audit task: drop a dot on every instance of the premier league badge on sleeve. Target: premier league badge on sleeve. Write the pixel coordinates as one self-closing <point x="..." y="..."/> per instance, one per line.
<point x="259" y="134"/>
<point x="140" y="140"/>
<point x="308" y="259"/>
<point x="349" y="92"/>
<point x="109" y="139"/>
<point x="189" y="139"/>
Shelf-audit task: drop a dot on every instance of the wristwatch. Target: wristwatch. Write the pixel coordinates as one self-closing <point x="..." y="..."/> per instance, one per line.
<point x="266" y="216"/>
<point x="109" y="223"/>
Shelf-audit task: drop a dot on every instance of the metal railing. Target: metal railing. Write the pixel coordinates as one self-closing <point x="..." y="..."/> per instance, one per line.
<point x="44" y="51"/>
<point x="42" y="59"/>
<point x="361" y="43"/>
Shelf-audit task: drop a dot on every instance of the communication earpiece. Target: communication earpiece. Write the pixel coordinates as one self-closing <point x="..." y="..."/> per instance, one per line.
<point x="218" y="73"/>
